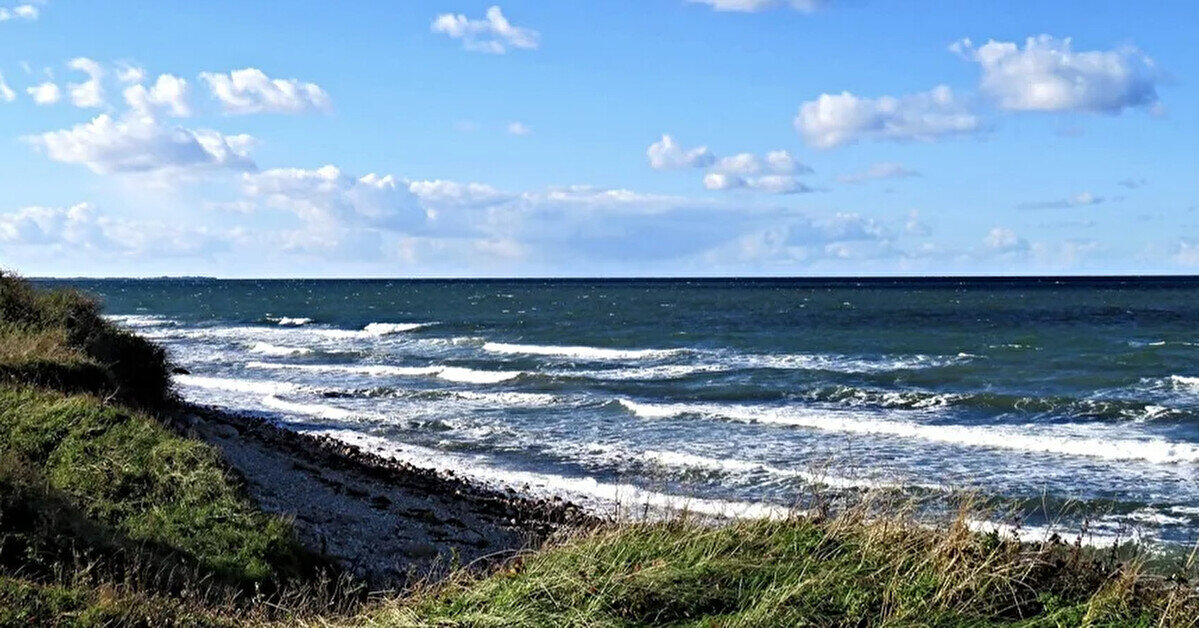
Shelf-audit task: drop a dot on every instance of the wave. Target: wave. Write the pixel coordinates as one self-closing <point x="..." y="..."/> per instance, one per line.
<point x="618" y="497"/>
<point x="580" y="352"/>
<point x="733" y="466"/>
<point x="274" y="350"/>
<point x="308" y="409"/>
<point x="139" y="320"/>
<point x="287" y="321"/>
<point x="257" y="387"/>
<point x="659" y="372"/>
<point x="449" y="373"/>
<point x="843" y="363"/>
<point x="372" y="330"/>
<point x="1024" y="438"/>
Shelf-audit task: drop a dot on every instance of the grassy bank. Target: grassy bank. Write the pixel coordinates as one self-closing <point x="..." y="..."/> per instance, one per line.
<point x="108" y="516"/>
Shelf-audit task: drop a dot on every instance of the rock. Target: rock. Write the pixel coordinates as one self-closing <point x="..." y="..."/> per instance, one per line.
<point x="418" y="549"/>
<point x="224" y="430"/>
<point x="179" y="370"/>
<point x="380" y="502"/>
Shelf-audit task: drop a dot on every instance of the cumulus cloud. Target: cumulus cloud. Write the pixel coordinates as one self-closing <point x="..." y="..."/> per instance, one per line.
<point x="753" y="6"/>
<point x="1078" y="200"/>
<point x="75" y="225"/>
<point x="882" y="170"/>
<point x="667" y="154"/>
<point x="129" y="73"/>
<point x="168" y="93"/>
<point x="46" y="93"/>
<point x="441" y="193"/>
<point x="327" y="196"/>
<point x="89" y="93"/>
<point x="6" y="92"/>
<point x="493" y="34"/>
<point x="141" y="144"/>
<point x="1048" y="75"/>
<point x="837" y="119"/>
<point x="19" y="12"/>
<point x="1004" y="240"/>
<point x="250" y="90"/>
<point x="774" y="174"/>
<point x="519" y="128"/>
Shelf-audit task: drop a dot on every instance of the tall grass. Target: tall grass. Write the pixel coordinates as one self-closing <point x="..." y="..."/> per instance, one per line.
<point x="59" y="339"/>
<point x="855" y="569"/>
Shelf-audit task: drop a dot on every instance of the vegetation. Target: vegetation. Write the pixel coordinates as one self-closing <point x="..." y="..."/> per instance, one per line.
<point x="108" y="517"/>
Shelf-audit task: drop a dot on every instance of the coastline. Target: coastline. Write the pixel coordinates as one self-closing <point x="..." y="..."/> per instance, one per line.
<point x="387" y="522"/>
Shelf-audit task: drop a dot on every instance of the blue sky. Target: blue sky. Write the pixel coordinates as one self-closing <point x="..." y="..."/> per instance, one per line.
<point x="647" y="137"/>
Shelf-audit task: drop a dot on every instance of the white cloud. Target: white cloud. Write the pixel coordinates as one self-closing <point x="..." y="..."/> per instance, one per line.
<point x="1047" y="75"/>
<point x="753" y="6"/>
<point x="441" y="193"/>
<point x="19" y="12"/>
<point x="773" y="174"/>
<point x="6" y="92"/>
<point x="519" y="128"/>
<point x="75" y="225"/>
<point x="667" y="154"/>
<point x="882" y="170"/>
<point x="771" y="183"/>
<point x="494" y="34"/>
<point x="329" y="198"/>
<point x="250" y="90"/>
<point x="129" y="73"/>
<point x="140" y="144"/>
<point x="89" y="93"/>
<point x="1004" y="240"/>
<point x="168" y="92"/>
<point x="836" y="119"/>
<point x="1186" y="253"/>
<point x="45" y="93"/>
<point x="1078" y="200"/>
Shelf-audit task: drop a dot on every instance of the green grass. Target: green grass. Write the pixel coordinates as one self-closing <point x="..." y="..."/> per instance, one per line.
<point x="850" y="571"/>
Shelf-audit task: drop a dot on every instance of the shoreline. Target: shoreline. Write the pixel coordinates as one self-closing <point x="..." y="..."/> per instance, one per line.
<point x="385" y="521"/>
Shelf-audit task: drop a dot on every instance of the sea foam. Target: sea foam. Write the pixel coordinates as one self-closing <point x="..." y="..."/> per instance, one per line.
<point x="449" y="373"/>
<point x="580" y="352"/>
<point x="237" y="385"/>
<point x="1029" y="438"/>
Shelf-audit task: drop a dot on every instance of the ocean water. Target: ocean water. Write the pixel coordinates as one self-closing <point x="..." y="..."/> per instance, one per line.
<point x="1066" y="400"/>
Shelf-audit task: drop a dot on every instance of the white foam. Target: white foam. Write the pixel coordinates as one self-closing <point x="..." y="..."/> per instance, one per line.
<point x="256" y="387"/>
<point x="308" y="409"/>
<point x="275" y="350"/>
<point x="621" y="497"/>
<point x="659" y="372"/>
<point x="139" y="320"/>
<point x="286" y="321"/>
<point x="730" y="465"/>
<point x="842" y="363"/>
<point x="449" y="373"/>
<point x="584" y="353"/>
<point x="385" y="329"/>
<point x="1030" y="438"/>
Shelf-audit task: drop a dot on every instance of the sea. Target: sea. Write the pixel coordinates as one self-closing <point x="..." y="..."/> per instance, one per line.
<point x="1069" y="404"/>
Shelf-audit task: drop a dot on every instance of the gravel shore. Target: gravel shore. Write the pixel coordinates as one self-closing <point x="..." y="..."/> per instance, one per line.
<point x="387" y="522"/>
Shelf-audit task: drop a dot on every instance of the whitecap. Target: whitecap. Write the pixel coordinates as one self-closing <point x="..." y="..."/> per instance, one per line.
<point x="449" y="373"/>
<point x="1030" y="438"/>
<point x="580" y="352"/>
<point x="274" y="350"/>
<point x="257" y="387"/>
<point x="308" y="409"/>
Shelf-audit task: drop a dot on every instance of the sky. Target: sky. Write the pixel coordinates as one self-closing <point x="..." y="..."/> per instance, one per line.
<point x="545" y="138"/>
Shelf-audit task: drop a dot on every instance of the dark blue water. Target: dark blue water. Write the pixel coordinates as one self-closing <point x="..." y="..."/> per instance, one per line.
<point x="728" y="392"/>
